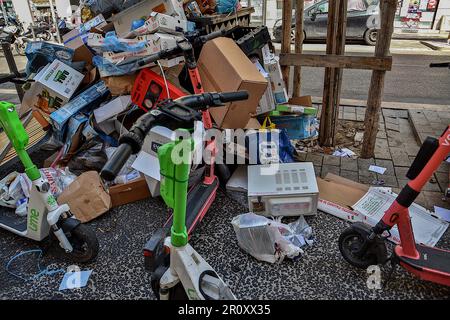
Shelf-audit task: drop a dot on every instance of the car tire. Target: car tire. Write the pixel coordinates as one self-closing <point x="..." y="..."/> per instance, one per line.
<point x="293" y="35"/>
<point x="370" y="37"/>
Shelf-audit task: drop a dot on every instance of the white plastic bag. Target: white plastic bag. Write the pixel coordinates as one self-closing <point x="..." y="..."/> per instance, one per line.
<point x="15" y="187"/>
<point x="269" y="240"/>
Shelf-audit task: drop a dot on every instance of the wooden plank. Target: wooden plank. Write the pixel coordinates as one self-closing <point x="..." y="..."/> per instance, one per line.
<point x="286" y="37"/>
<point x="341" y="28"/>
<point x="336" y="61"/>
<point x="299" y="10"/>
<point x="384" y="35"/>
<point x="326" y="131"/>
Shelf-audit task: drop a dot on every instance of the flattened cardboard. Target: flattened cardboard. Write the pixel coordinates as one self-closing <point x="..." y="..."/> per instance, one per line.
<point x="86" y="197"/>
<point x="224" y="67"/>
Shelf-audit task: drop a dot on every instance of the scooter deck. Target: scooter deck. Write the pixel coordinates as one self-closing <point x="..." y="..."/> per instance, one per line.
<point x="430" y="259"/>
<point x="199" y="199"/>
<point x="13" y="221"/>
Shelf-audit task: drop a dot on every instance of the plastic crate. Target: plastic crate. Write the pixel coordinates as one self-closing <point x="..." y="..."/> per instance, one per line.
<point x="298" y="127"/>
<point x="217" y="22"/>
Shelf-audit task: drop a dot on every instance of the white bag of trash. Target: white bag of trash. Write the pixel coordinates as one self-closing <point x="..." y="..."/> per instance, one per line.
<point x="269" y="240"/>
<point x="15" y="187"/>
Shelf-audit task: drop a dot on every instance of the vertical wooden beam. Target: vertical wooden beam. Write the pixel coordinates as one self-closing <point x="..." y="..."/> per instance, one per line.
<point x="384" y="34"/>
<point x="336" y="28"/>
<point x="286" y="37"/>
<point x="299" y="10"/>
<point x="339" y="50"/>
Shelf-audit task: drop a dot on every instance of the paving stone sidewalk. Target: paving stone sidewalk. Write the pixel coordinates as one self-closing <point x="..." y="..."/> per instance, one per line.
<point x="401" y="132"/>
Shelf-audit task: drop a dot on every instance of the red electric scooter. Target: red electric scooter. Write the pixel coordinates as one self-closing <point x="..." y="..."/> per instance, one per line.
<point x="201" y="195"/>
<point x="363" y="246"/>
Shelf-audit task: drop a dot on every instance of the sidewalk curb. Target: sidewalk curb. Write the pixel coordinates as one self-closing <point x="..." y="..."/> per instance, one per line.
<point x="389" y="105"/>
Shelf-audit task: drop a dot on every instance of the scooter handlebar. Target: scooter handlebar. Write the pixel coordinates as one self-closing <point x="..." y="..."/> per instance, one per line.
<point x="211" y="99"/>
<point x="116" y="162"/>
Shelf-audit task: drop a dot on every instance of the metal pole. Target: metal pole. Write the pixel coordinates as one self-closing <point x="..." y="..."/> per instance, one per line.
<point x="32" y="21"/>
<point x="6" y="46"/>
<point x="55" y="22"/>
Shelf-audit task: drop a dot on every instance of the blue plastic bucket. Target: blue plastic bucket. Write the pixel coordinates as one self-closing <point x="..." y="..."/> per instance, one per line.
<point x="297" y="126"/>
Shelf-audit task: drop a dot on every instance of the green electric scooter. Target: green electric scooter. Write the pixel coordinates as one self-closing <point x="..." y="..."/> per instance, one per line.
<point x="45" y="217"/>
<point x="187" y="269"/>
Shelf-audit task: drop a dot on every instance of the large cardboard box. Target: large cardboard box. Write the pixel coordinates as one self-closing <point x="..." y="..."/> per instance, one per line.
<point x="224" y="67"/>
<point x="53" y="86"/>
<point x="123" y="20"/>
<point x="86" y="197"/>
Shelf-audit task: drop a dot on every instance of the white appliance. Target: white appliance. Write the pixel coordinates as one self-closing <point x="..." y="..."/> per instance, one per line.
<point x="290" y="190"/>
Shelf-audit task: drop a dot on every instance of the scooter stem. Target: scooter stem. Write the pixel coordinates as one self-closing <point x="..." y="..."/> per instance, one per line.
<point x="174" y="159"/>
<point x="13" y="127"/>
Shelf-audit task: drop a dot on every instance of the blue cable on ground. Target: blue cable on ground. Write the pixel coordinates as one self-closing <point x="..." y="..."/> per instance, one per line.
<point x="42" y="272"/>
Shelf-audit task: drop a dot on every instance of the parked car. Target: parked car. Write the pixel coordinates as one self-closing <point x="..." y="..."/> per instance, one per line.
<point x="362" y="16"/>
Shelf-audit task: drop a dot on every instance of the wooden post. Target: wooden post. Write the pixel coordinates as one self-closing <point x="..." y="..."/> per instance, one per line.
<point x="286" y="37"/>
<point x="299" y="9"/>
<point x="336" y="28"/>
<point x="384" y="34"/>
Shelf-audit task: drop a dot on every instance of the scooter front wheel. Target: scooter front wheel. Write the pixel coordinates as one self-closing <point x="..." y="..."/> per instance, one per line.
<point x="84" y="242"/>
<point x="351" y="242"/>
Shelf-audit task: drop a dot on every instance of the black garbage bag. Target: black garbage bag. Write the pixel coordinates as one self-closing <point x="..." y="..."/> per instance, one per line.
<point x="91" y="156"/>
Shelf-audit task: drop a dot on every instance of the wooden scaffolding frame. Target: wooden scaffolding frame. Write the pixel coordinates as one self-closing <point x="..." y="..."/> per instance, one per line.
<point x="335" y="60"/>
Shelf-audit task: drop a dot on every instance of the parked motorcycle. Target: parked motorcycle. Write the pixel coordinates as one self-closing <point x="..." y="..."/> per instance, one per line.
<point x="41" y="31"/>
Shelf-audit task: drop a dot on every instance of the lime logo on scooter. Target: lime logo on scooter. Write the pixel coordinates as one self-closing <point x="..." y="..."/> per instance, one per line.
<point x="192" y="294"/>
<point x="51" y="200"/>
<point x="34" y="220"/>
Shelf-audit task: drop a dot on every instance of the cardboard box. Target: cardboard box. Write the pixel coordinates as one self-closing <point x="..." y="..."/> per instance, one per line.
<point x="121" y="84"/>
<point x="112" y="108"/>
<point x="267" y="102"/>
<point x="89" y="98"/>
<point x="162" y="41"/>
<point x="278" y="86"/>
<point x="224" y="67"/>
<point x="53" y="86"/>
<point x="129" y="192"/>
<point x="86" y="197"/>
<point x="123" y="20"/>
<point x="76" y="39"/>
<point x="96" y="22"/>
<point x="355" y="202"/>
<point x="123" y="57"/>
<point x="159" y="22"/>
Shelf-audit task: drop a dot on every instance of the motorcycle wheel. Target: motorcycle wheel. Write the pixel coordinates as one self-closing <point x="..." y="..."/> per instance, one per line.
<point x="20" y="48"/>
<point x="46" y="36"/>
